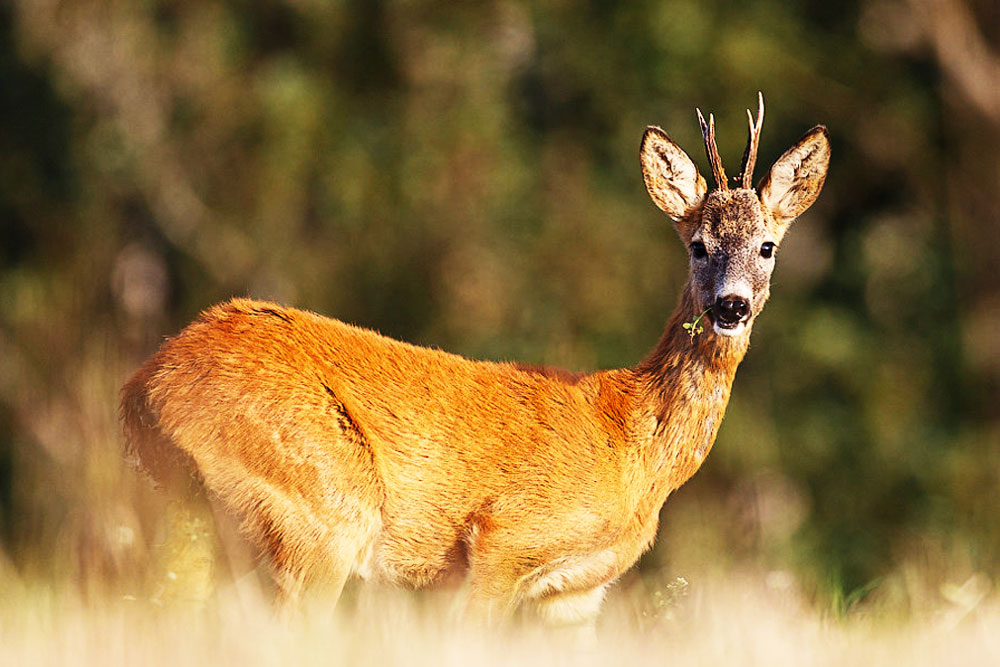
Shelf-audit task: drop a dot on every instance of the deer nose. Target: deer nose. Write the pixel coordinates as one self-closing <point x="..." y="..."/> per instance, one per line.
<point x="731" y="309"/>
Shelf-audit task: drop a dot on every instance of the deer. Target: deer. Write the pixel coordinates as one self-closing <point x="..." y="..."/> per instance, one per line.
<point x="347" y="454"/>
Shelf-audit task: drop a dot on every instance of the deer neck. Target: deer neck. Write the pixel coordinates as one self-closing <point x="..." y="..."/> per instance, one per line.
<point x="682" y="389"/>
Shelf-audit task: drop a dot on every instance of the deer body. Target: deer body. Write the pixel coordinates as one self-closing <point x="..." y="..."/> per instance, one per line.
<point x="347" y="453"/>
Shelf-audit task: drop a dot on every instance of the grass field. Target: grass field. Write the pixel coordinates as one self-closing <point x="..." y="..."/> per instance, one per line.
<point x="93" y="598"/>
<point x="739" y="619"/>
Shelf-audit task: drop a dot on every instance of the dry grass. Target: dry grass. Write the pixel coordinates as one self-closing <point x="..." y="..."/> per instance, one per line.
<point x="80" y="608"/>
<point x="734" y="620"/>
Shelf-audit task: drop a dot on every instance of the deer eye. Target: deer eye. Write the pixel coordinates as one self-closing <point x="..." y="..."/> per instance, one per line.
<point x="767" y="250"/>
<point x="698" y="250"/>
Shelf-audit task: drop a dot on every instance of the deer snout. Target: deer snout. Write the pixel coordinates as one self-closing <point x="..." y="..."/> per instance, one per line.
<point x="730" y="310"/>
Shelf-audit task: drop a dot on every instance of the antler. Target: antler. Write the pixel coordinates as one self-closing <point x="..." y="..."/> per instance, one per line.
<point x="753" y="141"/>
<point x="749" y="155"/>
<point x="708" y="135"/>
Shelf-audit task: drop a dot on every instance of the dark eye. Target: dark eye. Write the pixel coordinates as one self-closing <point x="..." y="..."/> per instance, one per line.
<point x="698" y="250"/>
<point x="767" y="250"/>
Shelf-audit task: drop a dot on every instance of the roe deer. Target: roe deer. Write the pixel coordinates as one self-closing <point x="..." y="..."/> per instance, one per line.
<point x="346" y="453"/>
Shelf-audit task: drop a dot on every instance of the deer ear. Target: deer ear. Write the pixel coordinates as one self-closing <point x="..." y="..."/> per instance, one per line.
<point x="672" y="179"/>
<point x="795" y="179"/>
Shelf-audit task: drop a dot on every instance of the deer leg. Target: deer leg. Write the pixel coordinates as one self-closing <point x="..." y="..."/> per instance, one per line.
<point x="486" y="607"/>
<point x="240" y="563"/>
<point x="494" y="582"/>
<point x="572" y="608"/>
<point x="572" y="616"/>
<point x="311" y="592"/>
<point x="310" y="563"/>
<point x="187" y="558"/>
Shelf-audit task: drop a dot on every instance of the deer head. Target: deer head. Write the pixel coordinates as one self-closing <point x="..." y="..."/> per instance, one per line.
<point x="732" y="234"/>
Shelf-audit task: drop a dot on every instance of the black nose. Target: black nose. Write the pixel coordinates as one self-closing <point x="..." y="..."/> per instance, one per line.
<point x="731" y="309"/>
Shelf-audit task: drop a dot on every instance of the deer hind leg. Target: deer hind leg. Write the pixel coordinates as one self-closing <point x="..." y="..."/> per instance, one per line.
<point x="185" y="562"/>
<point x="307" y="577"/>
<point x="312" y="550"/>
<point x="183" y="565"/>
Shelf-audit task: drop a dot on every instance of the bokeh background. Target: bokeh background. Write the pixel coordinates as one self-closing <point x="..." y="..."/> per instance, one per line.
<point x="465" y="175"/>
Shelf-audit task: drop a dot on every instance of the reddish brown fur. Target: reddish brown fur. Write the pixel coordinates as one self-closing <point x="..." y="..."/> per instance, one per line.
<point x="348" y="453"/>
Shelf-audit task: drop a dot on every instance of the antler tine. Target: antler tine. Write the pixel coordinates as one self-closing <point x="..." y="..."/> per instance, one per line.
<point x="708" y="135"/>
<point x="753" y="141"/>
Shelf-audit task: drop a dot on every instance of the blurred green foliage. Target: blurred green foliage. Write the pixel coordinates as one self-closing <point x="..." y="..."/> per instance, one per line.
<point x="465" y="175"/>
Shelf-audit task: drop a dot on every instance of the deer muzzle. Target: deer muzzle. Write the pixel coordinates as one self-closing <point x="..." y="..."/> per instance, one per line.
<point x="730" y="310"/>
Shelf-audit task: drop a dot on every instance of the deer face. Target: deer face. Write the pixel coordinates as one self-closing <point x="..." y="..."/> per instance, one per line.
<point x="732" y="235"/>
<point x="732" y="256"/>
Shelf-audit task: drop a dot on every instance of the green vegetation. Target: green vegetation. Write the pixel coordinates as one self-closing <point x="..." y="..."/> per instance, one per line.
<point x="694" y="327"/>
